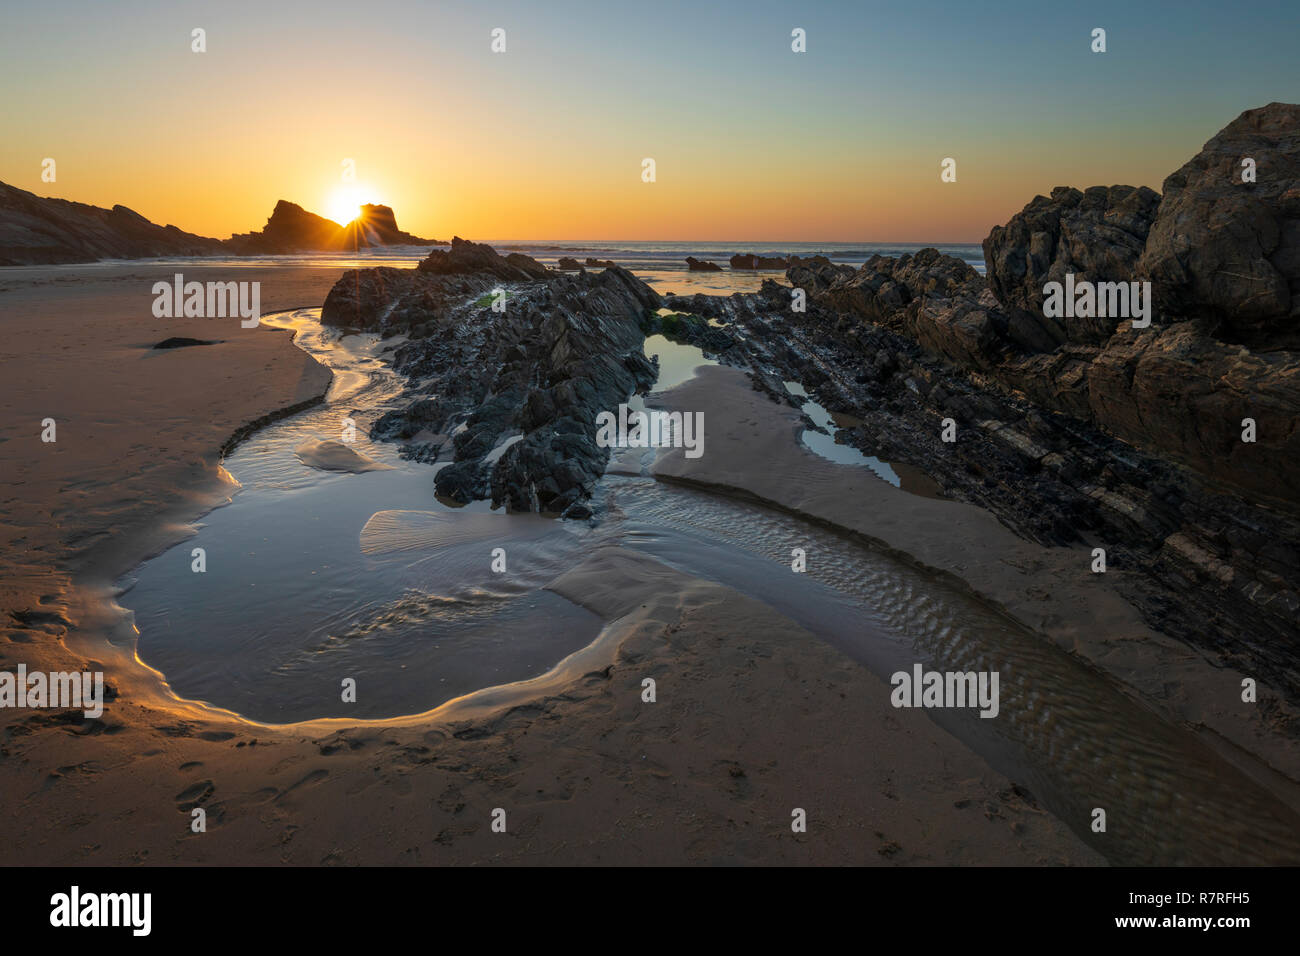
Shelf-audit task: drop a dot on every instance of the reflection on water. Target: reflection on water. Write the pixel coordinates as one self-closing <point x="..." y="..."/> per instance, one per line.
<point x="315" y="577"/>
<point x="677" y="362"/>
<point x="308" y="582"/>
<point x="899" y="474"/>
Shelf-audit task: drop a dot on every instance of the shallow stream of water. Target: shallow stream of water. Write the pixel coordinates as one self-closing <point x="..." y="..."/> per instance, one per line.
<point x="313" y="577"/>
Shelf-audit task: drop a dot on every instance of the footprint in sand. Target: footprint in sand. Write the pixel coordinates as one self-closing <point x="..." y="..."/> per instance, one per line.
<point x="194" y="795"/>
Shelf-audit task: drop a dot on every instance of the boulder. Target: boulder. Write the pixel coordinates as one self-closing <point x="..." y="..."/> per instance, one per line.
<point x="1228" y="250"/>
<point x="749" y="260"/>
<point x="1097" y="235"/>
<point x="474" y="258"/>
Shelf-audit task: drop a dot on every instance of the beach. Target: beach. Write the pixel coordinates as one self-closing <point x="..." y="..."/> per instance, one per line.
<point x="755" y="716"/>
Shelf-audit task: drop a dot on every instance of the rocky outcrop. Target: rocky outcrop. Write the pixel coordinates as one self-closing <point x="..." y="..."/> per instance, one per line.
<point x="1225" y="245"/>
<point x="37" y="231"/>
<point x="1093" y="430"/>
<point x="289" y="229"/>
<point x="700" y="265"/>
<point x="748" y="260"/>
<point x="1201" y="562"/>
<point x="466" y="258"/>
<point x="293" y="229"/>
<point x="1097" y="235"/>
<point x="377" y="226"/>
<point x="509" y="397"/>
<point x="570" y="264"/>
<point x="389" y="300"/>
<point x="1181" y="388"/>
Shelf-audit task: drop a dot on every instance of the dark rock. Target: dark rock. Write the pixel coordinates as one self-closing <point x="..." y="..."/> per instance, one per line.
<point x="377" y="226"/>
<point x="1227" y="250"/>
<point x="749" y="260"/>
<point x="293" y="229"/>
<point x="1097" y="235"/>
<point x="180" y="342"/>
<point x="290" y="229"/>
<point x="37" y="231"/>
<point x="386" y="299"/>
<point x="566" y="348"/>
<point x="699" y="265"/>
<point x="478" y="259"/>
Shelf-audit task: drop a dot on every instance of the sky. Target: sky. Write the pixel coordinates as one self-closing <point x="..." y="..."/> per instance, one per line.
<point x="841" y="143"/>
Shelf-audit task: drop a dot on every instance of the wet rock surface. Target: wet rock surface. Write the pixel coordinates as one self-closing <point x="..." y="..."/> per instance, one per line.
<point x="508" y="395"/>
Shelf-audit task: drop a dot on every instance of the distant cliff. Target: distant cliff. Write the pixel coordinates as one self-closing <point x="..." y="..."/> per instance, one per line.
<point x="44" y="231"/>
<point x="36" y="231"/>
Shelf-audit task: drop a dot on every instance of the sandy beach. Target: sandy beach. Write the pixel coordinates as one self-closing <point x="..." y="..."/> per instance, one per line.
<point x="755" y="716"/>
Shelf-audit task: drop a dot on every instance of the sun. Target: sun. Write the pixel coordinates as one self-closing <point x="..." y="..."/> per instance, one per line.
<point x="345" y="202"/>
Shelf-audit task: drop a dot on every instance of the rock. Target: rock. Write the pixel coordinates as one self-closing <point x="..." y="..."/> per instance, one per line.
<point x="1226" y="250"/>
<point x="1180" y="392"/>
<point x="599" y="263"/>
<point x="528" y="265"/>
<point x="181" y="341"/>
<point x="749" y="260"/>
<point x="884" y="286"/>
<point x="699" y="265"/>
<point x="1098" y="235"/>
<point x="566" y="348"/>
<point x="816" y="277"/>
<point x="293" y="229"/>
<point x="290" y="229"/>
<point x="473" y="258"/>
<point x="568" y="264"/>
<point x="385" y="299"/>
<point x="377" y="226"/>
<point x="37" y="231"/>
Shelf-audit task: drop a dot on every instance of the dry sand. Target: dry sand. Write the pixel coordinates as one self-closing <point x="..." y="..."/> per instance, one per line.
<point x="754" y="716"/>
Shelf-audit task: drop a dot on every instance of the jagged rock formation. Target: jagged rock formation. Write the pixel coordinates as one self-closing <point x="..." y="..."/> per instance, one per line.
<point x="377" y="226"/>
<point x="701" y="265"/>
<point x="293" y="229"/>
<point x="473" y="258"/>
<point x="565" y="348"/>
<point x="1180" y="388"/>
<point x="1097" y="235"/>
<point x="289" y="229"/>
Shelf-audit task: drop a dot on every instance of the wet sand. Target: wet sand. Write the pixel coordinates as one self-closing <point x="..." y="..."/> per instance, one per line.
<point x="751" y="450"/>
<point x="755" y="717"/>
